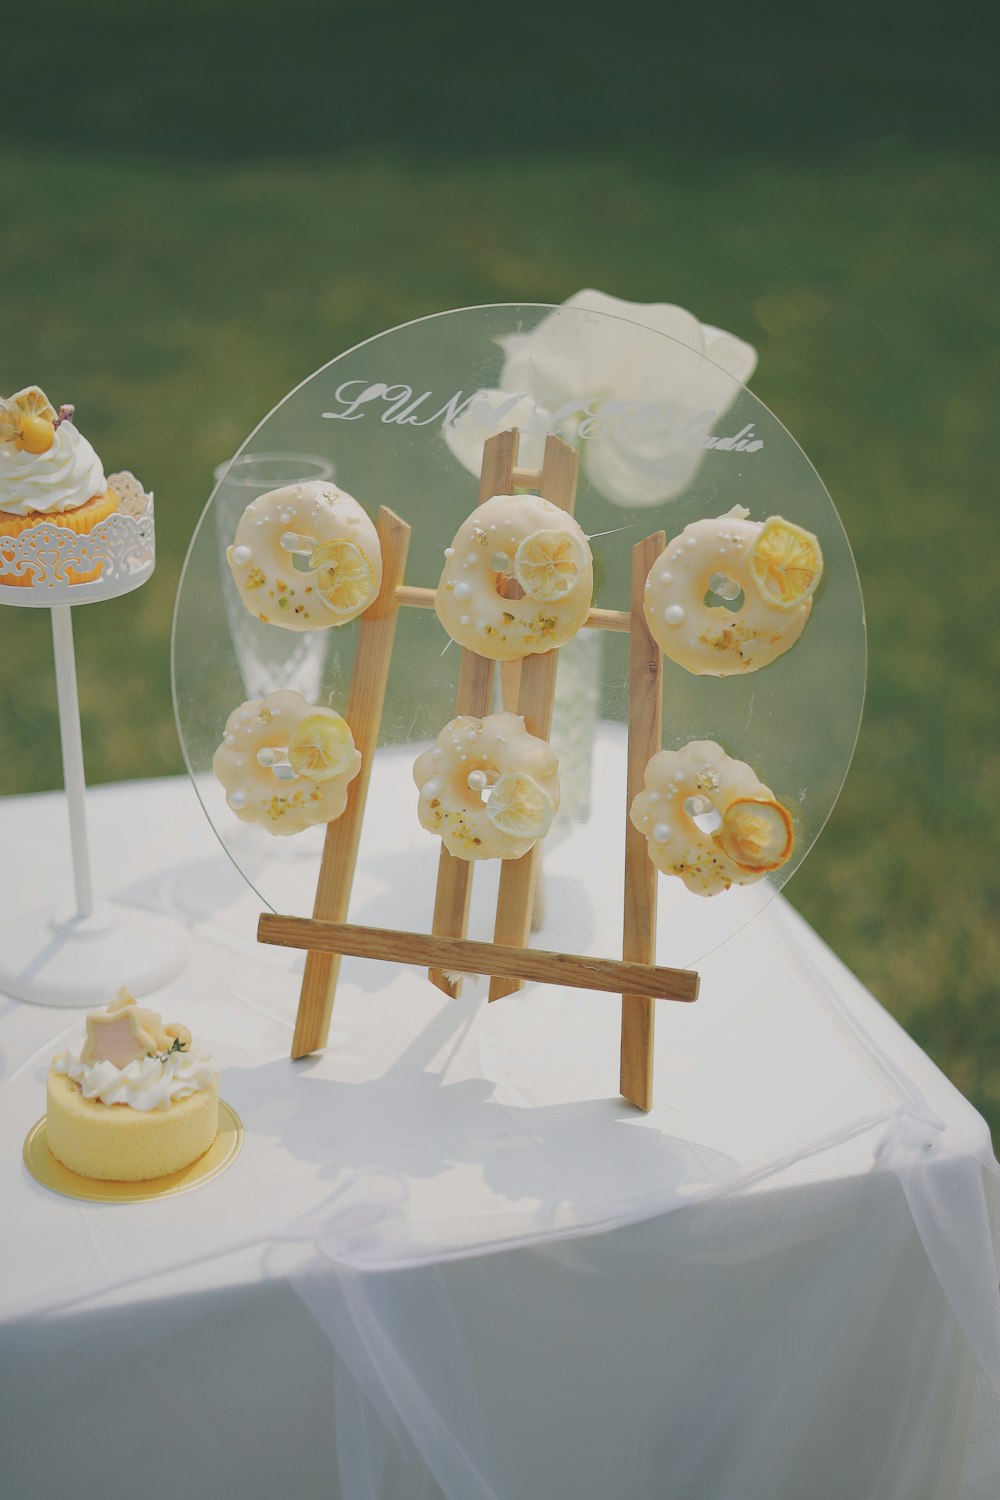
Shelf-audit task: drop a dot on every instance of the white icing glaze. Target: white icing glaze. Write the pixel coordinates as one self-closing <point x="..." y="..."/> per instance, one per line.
<point x="468" y="601"/>
<point x="676" y="844"/>
<point x="66" y="476"/>
<point x="147" y="1083"/>
<point x="282" y="804"/>
<point x="709" y="639"/>
<point x="270" y="584"/>
<point x="449" y="806"/>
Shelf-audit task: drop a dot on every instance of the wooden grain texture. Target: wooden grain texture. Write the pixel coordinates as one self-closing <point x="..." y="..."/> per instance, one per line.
<point x="365" y="702"/>
<point x="518" y="877"/>
<point x="645" y="710"/>
<point x="496" y="477"/>
<point x="453" y="891"/>
<point x="510" y="686"/>
<point x="608" y="975"/>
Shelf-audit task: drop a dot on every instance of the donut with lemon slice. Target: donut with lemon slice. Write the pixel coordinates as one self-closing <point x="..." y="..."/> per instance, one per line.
<point x="306" y="557"/>
<point x="709" y="819"/>
<point x="285" y="764"/>
<point x="487" y="787"/>
<point x="730" y="595"/>
<point x="518" y="579"/>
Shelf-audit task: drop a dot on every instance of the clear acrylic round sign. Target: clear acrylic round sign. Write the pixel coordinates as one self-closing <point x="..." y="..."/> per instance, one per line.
<point x="754" y="604"/>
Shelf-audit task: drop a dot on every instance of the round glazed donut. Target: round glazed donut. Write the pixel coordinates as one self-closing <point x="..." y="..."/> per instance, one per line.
<point x="330" y="533"/>
<point x="709" y="639"/>
<point x="253" y="763"/>
<point x="752" y="833"/>
<point x="496" y="756"/>
<point x="494" y="600"/>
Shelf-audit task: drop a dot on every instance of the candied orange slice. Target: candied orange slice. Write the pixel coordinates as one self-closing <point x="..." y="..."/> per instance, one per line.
<point x="548" y="564"/>
<point x="345" y="577"/>
<point x="785" y="562"/>
<point x="321" y="746"/>
<point x="519" y="806"/>
<point x="757" y="834"/>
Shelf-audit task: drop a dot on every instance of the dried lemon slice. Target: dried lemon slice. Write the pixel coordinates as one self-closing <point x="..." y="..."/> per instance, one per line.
<point x="321" y="746"/>
<point x="785" y="562"/>
<point x="520" y="807"/>
<point x="548" y="564"/>
<point x="757" y="834"/>
<point x="27" y="419"/>
<point x="345" y="577"/>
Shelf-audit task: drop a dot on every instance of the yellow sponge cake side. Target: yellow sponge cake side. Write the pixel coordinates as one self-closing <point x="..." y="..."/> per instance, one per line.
<point x="117" y="1143"/>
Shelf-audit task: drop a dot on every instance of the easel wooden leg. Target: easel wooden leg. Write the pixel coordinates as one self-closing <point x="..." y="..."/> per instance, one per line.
<point x="340" y="849"/>
<point x="454" y="882"/>
<point x="520" y="879"/>
<point x="515" y="900"/>
<point x="510" y="686"/>
<point x="475" y="697"/>
<point x="645" y="709"/>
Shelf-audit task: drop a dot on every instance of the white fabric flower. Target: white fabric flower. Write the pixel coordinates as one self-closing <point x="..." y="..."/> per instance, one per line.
<point x="636" y="414"/>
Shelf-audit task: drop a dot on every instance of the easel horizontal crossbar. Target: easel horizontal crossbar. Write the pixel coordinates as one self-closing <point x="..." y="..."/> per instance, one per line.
<point x="415" y="597"/>
<point x="467" y="957"/>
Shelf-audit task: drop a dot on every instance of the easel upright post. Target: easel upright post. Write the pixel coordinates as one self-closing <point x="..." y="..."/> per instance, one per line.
<point x="536" y="698"/>
<point x="645" y="711"/>
<point x="474" y="697"/>
<point x="365" y="702"/>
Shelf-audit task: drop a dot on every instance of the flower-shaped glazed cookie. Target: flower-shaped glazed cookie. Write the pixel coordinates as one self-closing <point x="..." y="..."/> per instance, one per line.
<point x="488" y="787"/>
<point x="285" y="764"/>
<point x="709" y="820"/>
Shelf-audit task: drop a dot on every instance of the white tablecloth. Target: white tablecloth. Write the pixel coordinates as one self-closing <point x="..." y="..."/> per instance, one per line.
<point x="450" y="1260"/>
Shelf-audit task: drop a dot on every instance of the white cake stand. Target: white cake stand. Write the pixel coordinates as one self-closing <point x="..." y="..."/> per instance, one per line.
<point x="80" y="955"/>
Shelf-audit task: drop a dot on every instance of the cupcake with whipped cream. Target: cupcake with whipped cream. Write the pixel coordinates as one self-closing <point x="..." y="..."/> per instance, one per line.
<point x="49" y="472"/>
<point x="133" y="1099"/>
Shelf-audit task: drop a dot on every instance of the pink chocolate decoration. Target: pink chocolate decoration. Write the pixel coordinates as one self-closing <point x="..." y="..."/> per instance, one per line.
<point x="118" y="1038"/>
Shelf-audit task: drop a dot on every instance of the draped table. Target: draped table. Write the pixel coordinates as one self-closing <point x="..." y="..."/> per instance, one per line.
<point x="450" y="1260"/>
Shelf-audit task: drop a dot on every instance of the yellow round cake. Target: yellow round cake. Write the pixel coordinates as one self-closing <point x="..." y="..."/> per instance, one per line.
<point x="133" y="1099"/>
<point x="117" y="1143"/>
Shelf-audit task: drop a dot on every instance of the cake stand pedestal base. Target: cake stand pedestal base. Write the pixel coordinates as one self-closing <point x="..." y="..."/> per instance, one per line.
<point x="49" y="957"/>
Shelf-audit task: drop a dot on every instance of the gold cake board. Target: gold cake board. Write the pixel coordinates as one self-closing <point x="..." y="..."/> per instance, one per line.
<point x="59" y="1179"/>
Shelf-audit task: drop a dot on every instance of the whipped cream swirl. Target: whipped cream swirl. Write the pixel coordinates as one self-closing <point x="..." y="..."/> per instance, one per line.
<point x="147" y="1083"/>
<point x="66" y="476"/>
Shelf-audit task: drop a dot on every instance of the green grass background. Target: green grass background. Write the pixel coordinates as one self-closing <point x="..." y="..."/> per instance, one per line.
<point x="201" y="207"/>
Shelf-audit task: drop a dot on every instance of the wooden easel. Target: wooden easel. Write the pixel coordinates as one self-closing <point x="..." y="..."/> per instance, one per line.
<point x="527" y="688"/>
